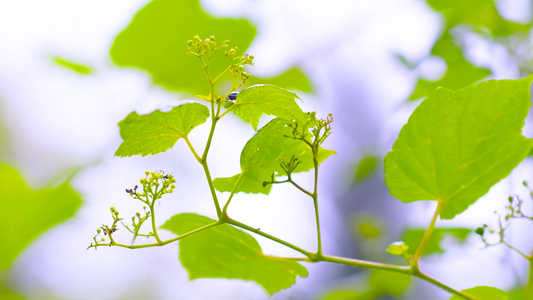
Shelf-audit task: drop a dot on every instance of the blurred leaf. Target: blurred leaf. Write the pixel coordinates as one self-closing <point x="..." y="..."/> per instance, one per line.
<point x="159" y="131"/>
<point x="397" y="248"/>
<point x="517" y="294"/>
<point x="484" y="292"/>
<point x="227" y="252"/>
<point x="78" y="68"/>
<point x="365" y="167"/>
<point x="255" y="101"/>
<point x="479" y="13"/>
<point x="262" y="156"/>
<point x="292" y="79"/>
<point x="6" y="294"/>
<point x="29" y="213"/>
<point x="389" y="283"/>
<point x="460" y="73"/>
<point x="156" y="41"/>
<point x="458" y="144"/>
<point x="367" y="225"/>
<point x="412" y="237"/>
<point x="348" y="295"/>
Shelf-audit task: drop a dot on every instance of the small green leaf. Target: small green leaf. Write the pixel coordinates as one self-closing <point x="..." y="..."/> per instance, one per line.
<point x="262" y="156"/>
<point x="227" y="252"/>
<point x="458" y="144"/>
<point x="78" y="68"/>
<point x="255" y="101"/>
<point x="397" y="248"/>
<point x="484" y="293"/>
<point x="29" y="213"/>
<point x="366" y="166"/>
<point x="159" y="131"/>
<point x="412" y="237"/>
<point x="292" y="79"/>
<point x="156" y="41"/>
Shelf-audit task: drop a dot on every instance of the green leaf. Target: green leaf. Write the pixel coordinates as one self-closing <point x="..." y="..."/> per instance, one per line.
<point x="255" y="101"/>
<point x="484" y="292"/>
<point x="292" y="79"/>
<point x="156" y="40"/>
<point x="227" y="252"/>
<point x="365" y="167"/>
<point x="159" y="131"/>
<point x="78" y="68"/>
<point x="458" y="144"/>
<point x="412" y="237"/>
<point x="6" y="294"/>
<point x="389" y="283"/>
<point x="479" y="13"/>
<point x="262" y="156"/>
<point x="346" y="295"/>
<point x="397" y="248"/>
<point x="29" y="213"/>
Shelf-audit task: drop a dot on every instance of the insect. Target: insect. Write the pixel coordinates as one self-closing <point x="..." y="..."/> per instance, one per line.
<point x="232" y="96"/>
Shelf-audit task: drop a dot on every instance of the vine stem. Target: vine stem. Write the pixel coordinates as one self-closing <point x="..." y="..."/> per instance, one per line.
<point x="425" y="238"/>
<point x="315" y="201"/>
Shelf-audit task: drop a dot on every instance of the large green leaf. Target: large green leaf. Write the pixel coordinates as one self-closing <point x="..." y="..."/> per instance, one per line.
<point x="412" y="238"/>
<point x="156" y="39"/>
<point x="29" y="213"/>
<point x="263" y="154"/>
<point x="255" y="101"/>
<point x="159" y="131"/>
<point x="458" y="144"/>
<point x="226" y="252"/>
<point x="484" y="293"/>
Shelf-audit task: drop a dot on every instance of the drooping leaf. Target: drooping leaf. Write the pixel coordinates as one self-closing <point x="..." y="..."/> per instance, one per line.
<point x="292" y="79"/>
<point x="78" y="68"/>
<point x="263" y="154"/>
<point x="458" y="144"/>
<point x="365" y="167"/>
<point x="484" y="292"/>
<point x="412" y="237"/>
<point x="159" y="131"/>
<point x="156" y="41"/>
<point x="255" y="101"/>
<point x="227" y="252"/>
<point x="29" y="213"/>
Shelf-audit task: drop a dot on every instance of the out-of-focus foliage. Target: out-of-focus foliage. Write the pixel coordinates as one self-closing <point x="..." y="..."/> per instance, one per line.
<point x="226" y="252"/>
<point x="292" y="79"/>
<point x="159" y="131"/>
<point x="153" y="39"/>
<point x="6" y="294"/>
<point x="262" y="155"/>
<point x="485" y="293"/>
<point x="29" y="213"/>
<point x="78" y="68"/>
<point x="365" y="167"/>
<point x="479" y="16"/>
<point x="458" y="144"/>
<point x="380" y="283"/>
<point x="412" y="238"/>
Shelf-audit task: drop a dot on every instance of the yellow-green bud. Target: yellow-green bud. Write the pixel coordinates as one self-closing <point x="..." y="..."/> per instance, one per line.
<point x="112" y="209"/>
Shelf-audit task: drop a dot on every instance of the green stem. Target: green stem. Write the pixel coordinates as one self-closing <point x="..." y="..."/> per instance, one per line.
<point x="366" y="264"/>
<point x="528" y="293"/>
<point x="186" y="138"/>
<point x="235" y="186"/>
<point x="443" y="286"/>
<point x="425" y="238"/>
<point x="315" y="202"/>
<point x="268" y="236"/>
<point x="154" y="228"/>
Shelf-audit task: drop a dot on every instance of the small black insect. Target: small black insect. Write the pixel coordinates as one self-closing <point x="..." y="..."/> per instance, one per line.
<point x="232" y="96"/>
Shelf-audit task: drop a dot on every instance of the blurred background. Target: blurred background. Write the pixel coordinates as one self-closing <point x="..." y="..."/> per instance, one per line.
<point x="71" y="70"/>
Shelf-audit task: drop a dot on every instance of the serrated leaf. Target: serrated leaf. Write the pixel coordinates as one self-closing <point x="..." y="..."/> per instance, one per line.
<point x="29" y="213"/>
<point x="255" y="101"/>
<point x="458" y="144"/>
<point x="76" y="67"/>
<point x="227" y="252"/>
<point x="412" y="237"/>
<point x="156" y="41"/>
<point x="483" y="292"/>
<point x="159" y="131"/>
<point x="292" y="79"/>
<point x="263" y="154"/>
